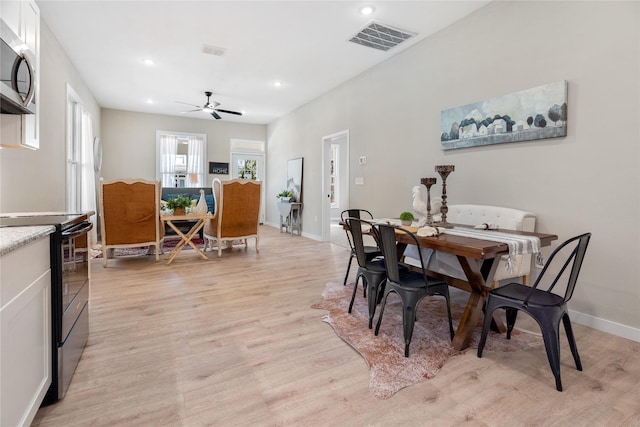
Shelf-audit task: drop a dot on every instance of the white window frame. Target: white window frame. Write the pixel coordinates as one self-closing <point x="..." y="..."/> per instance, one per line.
<point x="182" y="135"/>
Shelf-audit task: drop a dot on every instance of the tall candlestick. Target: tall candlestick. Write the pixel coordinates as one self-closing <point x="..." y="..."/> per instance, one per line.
<point x="428" y="182"/>
<point x="444" y="171"/>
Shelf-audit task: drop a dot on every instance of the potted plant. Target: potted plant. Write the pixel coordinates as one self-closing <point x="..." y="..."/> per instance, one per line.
<point x="406" y="218"/>
<point x="179" y="204"/>
<point x="285" y="196"/>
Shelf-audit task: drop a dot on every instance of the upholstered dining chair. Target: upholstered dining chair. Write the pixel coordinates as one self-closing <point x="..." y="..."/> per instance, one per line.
<point x="237" y="214"/>
<point x="370" y="251"/>
<point x="545" y="306"/>
<point x="130" y="215"/>
<point x="411" y="286"/>
<point x="371" y="271"/>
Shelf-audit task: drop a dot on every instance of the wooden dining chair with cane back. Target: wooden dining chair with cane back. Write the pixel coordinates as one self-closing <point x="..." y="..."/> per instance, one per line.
<point x="130" y="215"/>
<point x="237" y="212"/>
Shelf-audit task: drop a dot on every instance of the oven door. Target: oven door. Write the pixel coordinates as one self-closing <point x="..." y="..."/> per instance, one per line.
<point x="75" y="277"/>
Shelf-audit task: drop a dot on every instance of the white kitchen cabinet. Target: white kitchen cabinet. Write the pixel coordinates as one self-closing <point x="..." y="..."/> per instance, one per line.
<point x="23" y="17"/>
<point x="25" y="332"/>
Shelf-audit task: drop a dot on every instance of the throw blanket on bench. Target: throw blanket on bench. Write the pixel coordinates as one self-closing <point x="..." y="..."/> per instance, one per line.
<point x="518" y="244"/>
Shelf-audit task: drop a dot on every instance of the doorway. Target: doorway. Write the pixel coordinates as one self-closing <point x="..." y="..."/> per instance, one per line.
<point x="247" y="162"/>
<point x="335" y="185"/>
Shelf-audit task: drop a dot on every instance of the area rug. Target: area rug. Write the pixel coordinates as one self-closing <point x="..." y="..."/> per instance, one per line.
<point x="167" y="246"/>
<point x="389" y="370"/>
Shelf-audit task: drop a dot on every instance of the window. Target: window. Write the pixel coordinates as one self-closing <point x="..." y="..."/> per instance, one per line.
<point x="181" y="159"/>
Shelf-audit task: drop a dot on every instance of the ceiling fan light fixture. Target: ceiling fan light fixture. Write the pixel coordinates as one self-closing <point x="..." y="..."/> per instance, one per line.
<point x="207" y="110"/>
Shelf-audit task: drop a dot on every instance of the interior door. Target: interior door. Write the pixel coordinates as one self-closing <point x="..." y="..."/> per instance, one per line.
<point x="250" y="166"/>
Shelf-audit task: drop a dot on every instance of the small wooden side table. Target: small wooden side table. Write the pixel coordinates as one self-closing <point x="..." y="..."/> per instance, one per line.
<point x="185" y="239"/>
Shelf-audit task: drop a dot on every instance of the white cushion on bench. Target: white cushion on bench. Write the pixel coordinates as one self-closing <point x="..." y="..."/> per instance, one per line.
<point x="504" y="218"/>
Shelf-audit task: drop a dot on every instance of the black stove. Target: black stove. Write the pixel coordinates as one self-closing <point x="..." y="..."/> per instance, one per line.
<point x="61" y="220"/>
<point x="69" y="290"/>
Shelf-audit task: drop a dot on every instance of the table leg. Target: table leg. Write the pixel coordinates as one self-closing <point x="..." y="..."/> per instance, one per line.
<point x="473" y="269"/>
<point x="185" y="239"/>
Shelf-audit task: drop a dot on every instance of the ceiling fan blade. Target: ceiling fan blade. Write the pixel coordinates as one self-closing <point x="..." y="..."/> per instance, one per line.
<point x="186" y="103"/>
<point x="228" y="112"/>
<point x="216" y="116"/>
<point x="191" y="111"/>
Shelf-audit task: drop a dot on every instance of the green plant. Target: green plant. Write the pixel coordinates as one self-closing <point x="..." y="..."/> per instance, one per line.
<point x="285" y="193"/>
<point x="179" y="202"/>
<point x="406" y="216"/>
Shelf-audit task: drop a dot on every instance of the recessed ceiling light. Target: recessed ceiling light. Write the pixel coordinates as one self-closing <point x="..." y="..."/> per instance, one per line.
<point x="277" y="84"/>
<point x="149" y="101"/>
<point x="367" y="10"/>
<point x="148" y="61"/>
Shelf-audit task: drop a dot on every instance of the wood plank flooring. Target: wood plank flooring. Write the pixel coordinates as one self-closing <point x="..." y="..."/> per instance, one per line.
<point x="232" y="341"/>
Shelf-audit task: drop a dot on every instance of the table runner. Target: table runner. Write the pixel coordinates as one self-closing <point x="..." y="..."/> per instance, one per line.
<point x="518" y="244"/>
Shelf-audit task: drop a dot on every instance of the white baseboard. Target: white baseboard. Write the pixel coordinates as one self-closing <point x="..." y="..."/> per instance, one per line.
<point x="604" y="325"/>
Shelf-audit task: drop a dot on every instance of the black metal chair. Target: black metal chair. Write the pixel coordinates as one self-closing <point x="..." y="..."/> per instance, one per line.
<point x="546" y="308"/>
<point x="372" y="271"/>
<point x="371" y="252"/>
<point x="411" y="286"/>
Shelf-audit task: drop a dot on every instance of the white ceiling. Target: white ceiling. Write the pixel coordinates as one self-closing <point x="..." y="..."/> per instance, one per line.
<point x="303" y="44"/>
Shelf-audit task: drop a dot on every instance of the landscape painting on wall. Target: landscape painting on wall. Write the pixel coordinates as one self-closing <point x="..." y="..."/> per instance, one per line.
<point x="536" y="113"/>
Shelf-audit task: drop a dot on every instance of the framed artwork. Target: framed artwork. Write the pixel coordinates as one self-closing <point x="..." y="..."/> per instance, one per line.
<point x="537" y="113"/>
<point x="294" y="178"/>
<point x="217" y="168"/>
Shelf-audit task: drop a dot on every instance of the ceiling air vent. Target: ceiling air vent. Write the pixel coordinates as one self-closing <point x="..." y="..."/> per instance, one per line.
<point x="212" y="50"/>
<point x="381" y="37"/>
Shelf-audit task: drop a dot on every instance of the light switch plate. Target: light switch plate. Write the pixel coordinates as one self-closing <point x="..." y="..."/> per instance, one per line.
<point x="359" y="180"/>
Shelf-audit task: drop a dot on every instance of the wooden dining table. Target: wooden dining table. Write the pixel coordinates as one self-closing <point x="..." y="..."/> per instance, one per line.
<point x="479" y="260"/>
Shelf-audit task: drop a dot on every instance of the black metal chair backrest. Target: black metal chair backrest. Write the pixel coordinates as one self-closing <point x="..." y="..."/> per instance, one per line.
<point x="353" y="213"/>
<point x="387" y="239"/>
<point x="576" y="255"/>
<point x="355" y="228"/>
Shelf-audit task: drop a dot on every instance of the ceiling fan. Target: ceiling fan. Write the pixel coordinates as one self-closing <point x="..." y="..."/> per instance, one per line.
<point x="210" y="107"/>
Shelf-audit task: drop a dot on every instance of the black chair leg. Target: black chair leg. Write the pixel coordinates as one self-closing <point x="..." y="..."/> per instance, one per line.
<point x="485" y="325"/>
<point x="382" y="305"/>
<point x="511" y="313"/>
<point x="346" y="276"/>
<point x="377" y="285"/>
<point x="572" y="341"/>
<point x="552" y="346"/>
<point x="408" y="322"/>
<point x="355" y="290"/>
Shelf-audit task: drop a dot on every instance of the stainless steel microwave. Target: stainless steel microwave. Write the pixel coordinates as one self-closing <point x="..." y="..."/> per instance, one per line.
<point x="17" y="75"/>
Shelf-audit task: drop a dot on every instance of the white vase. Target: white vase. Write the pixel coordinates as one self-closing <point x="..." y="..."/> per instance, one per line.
<point x="201" y="207"/>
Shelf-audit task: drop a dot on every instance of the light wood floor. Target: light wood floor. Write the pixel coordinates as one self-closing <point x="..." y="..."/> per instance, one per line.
<point x="232" y="341"/>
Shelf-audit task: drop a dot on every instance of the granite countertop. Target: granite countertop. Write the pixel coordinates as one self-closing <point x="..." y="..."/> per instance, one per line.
<point x="12" y="238"/>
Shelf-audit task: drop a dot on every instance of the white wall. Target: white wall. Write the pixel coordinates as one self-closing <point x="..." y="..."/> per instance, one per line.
<point x="129" y="141"/>
<point x="35" y="180"/>
<point x="587" y="181"/>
